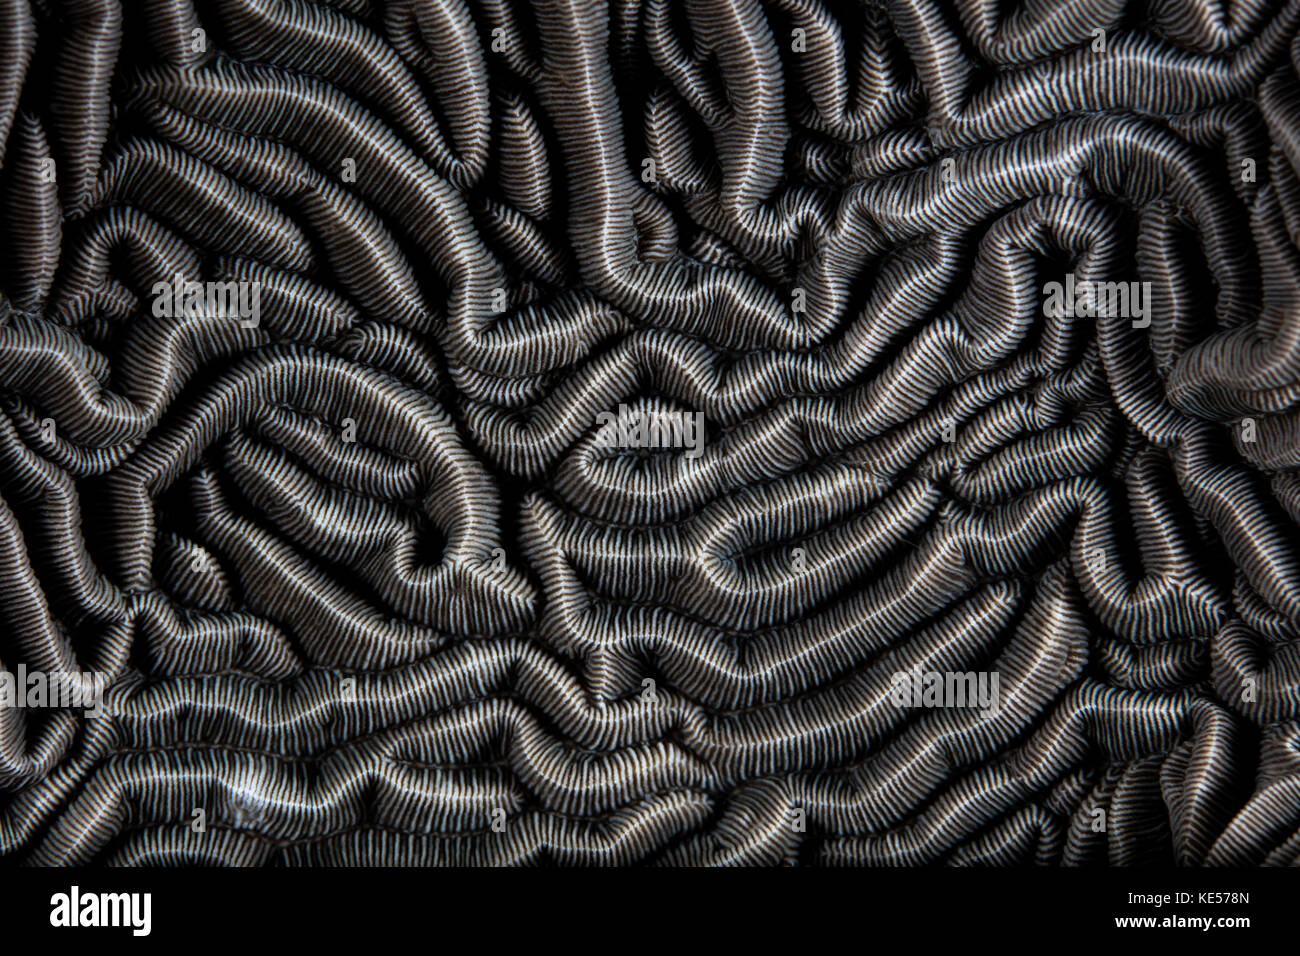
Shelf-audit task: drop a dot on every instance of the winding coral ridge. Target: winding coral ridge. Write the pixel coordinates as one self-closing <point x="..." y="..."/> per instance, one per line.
<point x="367" y="584"/>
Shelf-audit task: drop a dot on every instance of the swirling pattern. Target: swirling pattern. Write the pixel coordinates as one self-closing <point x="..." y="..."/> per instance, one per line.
<point x="368" y="583"/>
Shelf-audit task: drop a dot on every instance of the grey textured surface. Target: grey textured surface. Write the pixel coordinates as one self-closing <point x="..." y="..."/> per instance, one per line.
<point x="380" y="570"/>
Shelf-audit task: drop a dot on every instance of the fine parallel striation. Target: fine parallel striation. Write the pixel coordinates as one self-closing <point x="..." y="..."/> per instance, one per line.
<point x="970" y="334"/>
